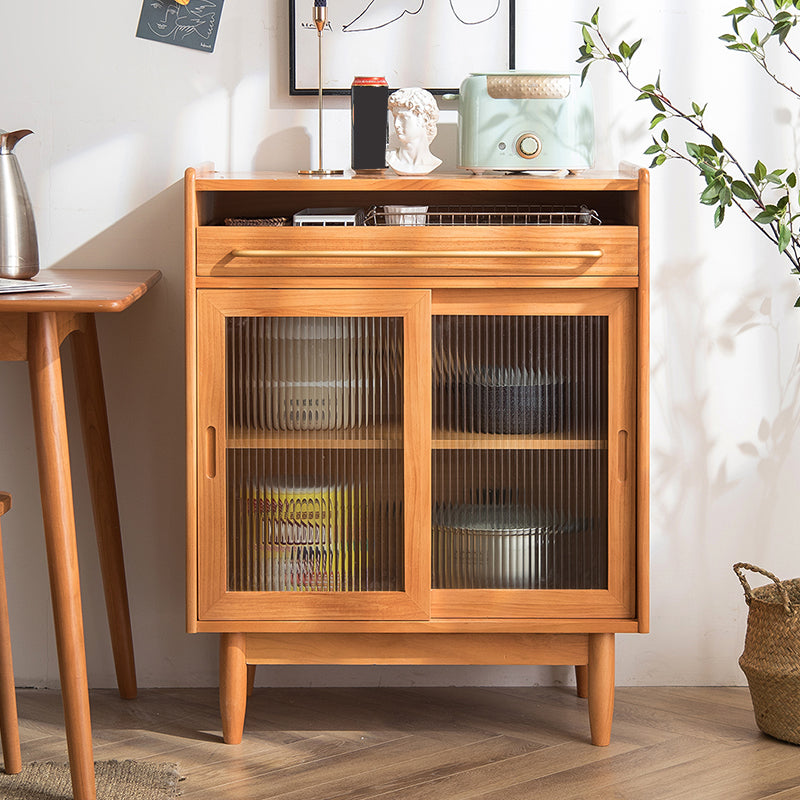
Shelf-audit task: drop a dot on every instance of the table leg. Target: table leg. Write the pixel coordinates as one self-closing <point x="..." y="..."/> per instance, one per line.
<point x="100" y="467"/>
<point x="9" y="725"/>
<point x="55" y="484"/>
<point x="232" y="686"/>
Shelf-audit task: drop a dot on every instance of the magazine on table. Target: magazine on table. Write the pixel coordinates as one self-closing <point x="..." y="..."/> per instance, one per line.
<point x="9" y="286"/>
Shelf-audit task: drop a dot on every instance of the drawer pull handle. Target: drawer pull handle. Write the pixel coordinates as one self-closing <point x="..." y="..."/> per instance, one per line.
<point x="211" y="452"/>
<point x="623" y="456"/>
<point x="417" y="253"/>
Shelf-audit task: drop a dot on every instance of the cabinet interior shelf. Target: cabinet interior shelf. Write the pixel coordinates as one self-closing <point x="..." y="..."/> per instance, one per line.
<point x="391" y="438"/>
<point x="455" y="440"/>
<point x="366" y="437"/>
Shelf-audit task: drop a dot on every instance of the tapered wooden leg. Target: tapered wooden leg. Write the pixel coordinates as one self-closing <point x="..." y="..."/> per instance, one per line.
<point x="55" y="484"/>
<point x="251" y="679"/>
<point x="9" y="725"/>
<point x="232" y="686"/>
<point x="97" y="447"/>
<point x="601" y="687"/>
<point x="582" y="680"/>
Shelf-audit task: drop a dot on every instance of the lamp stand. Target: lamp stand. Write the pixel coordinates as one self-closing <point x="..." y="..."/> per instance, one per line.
<point x="320" y="18"/>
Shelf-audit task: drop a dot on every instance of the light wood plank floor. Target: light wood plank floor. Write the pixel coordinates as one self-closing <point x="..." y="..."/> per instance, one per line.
<point x="437" y="744"/>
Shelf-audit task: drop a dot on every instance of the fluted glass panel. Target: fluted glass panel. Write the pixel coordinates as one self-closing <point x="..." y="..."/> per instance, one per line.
<point x="520" y="452"/>
<point x="315" y="468"/>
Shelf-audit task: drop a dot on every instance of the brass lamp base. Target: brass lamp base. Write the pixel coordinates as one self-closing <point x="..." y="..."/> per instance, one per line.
<point x="320" y="18"/>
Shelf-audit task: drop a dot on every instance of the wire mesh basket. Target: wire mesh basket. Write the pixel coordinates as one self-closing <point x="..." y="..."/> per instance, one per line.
<point x="256" y="222"/>
<point x="497" y="215"/>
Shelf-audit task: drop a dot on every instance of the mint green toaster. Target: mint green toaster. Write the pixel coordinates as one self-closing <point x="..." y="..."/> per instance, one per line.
<point x="514" y="121"/>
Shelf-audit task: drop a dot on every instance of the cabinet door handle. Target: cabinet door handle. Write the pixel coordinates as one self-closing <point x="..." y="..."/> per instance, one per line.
<point x="417" y="253"/>
<point x="623" y="456"/>
<point x="211" y="452"/>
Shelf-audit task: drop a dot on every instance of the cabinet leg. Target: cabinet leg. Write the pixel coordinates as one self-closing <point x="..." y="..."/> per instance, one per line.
<point x="582" y="680"/>
<point x="100" y="467"/>
<point x="232" y="686"/>
<point x="251" y="679"/>
<point x="601" y="687"/>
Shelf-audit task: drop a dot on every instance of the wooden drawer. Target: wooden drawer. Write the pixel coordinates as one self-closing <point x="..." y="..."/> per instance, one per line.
<point x="306" y="251"/>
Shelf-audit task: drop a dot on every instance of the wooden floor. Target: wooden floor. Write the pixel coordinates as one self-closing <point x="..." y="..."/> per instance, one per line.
<point x="437" y="744"/>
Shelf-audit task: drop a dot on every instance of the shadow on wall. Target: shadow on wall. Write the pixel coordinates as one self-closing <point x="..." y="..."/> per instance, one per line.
<point x="142" y="351"/>
<point x="285" y="150"/>
<point x="295" y="148"/>
<point x="726" y="408"/>
<point x="772" y="446"/>
<point x="445" y="146"/>
<point x="686" y="484"/>
<point x="752" y="327"/>
<point x="680" y="501"/>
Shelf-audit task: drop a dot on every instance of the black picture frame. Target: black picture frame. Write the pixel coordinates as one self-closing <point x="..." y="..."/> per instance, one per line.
<point x="296" y="87"/>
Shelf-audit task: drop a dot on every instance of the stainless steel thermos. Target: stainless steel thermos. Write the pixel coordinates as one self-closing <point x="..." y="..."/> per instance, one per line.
<point x="19" y="250"/>
<point x="369" y="100"/>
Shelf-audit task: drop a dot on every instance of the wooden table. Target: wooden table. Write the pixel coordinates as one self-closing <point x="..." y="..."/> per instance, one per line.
<point x="32" y="327"/>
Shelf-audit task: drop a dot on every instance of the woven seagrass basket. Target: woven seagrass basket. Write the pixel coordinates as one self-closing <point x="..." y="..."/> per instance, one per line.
<point x="771" y="656"/>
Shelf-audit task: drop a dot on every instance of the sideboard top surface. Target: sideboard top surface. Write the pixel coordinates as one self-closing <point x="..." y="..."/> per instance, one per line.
<point x="589" y="180"/>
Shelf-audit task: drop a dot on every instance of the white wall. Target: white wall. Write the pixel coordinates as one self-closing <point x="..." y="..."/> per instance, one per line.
<point x="117" y="120"/>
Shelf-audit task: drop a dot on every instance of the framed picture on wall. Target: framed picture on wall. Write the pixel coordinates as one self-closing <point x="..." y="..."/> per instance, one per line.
<point x="434" y="44"/>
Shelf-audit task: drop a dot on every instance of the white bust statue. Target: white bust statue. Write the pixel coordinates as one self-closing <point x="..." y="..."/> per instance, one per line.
<point x="415" y="116"/>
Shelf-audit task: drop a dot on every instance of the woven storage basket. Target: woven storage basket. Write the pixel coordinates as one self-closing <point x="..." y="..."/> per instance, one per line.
<point x="771" y="656"/>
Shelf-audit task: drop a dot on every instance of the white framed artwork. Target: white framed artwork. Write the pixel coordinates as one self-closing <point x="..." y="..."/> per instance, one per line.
<point x="433" y="44"/>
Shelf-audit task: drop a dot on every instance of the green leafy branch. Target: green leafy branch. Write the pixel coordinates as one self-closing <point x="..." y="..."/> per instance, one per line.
<point x="764" y="196"/>
<point x="765" y="25"/>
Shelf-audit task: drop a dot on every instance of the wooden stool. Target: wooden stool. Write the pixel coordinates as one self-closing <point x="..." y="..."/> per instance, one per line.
<point x="9" y="727"/>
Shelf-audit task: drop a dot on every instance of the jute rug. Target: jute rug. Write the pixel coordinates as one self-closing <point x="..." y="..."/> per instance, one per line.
<point x="116" y="780"/>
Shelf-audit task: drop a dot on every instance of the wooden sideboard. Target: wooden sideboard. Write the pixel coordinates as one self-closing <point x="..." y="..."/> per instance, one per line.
<point x="420" y="443"/>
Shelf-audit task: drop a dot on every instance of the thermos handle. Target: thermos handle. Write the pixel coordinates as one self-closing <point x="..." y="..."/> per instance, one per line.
<point x="10" y="139"/>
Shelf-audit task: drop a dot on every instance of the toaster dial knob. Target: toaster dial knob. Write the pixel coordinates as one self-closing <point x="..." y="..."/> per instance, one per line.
<point x="528" y="146"/>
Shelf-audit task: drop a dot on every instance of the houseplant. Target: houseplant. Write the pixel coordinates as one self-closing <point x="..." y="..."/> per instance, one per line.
<point x="767" y="197"/>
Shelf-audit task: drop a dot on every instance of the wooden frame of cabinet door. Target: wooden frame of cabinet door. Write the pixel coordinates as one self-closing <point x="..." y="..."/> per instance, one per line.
<point x="618" y="600"/>
<point x="215" y="600"/>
